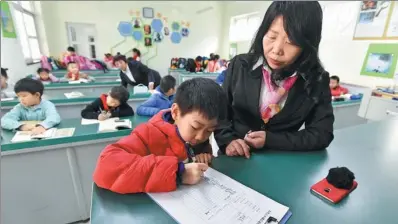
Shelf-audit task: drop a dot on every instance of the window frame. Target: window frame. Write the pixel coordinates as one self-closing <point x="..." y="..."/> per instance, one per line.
<point x="18" y="8"/>
<point x="244" y="35"/>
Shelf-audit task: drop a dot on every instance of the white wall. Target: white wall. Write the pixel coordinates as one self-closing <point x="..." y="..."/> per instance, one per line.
<point x="203" y="39"/>
<point x="340" y="55"/>
<point x="12" y="56"/>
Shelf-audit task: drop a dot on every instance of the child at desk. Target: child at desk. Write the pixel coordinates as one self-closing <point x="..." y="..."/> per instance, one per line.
<point x="7" y="89"/>
<point x="161" y="99"/>
<point x="44" y="75"/>
<point x="74" y="73"/>
<point x="109" y="105"/>
<point x="153" y="158"/>
<point x="31" y="108"/>
<point x="335" y="87"/>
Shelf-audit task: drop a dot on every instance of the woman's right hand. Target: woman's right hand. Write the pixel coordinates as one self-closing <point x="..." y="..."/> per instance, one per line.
<point x="238" y="147"/>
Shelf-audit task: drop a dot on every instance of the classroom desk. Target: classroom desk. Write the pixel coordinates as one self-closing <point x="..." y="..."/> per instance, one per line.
<point x="103" y="77"/>
<point x="60" y="88"/>
<point x="71" y="108"/>
<point x="183" y="76"/>
<point x="62" y="72"/>
<point x="369" y="150"/>
<point x="50" y="180"/>
<point x="175" y="72"/>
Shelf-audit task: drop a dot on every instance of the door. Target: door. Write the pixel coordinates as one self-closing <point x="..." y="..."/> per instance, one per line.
<point x="83" y="38"/>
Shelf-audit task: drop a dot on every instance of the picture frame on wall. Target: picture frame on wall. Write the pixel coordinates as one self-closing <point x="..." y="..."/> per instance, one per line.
<point x="148" y="12"/>
<point x="380" y="60"/>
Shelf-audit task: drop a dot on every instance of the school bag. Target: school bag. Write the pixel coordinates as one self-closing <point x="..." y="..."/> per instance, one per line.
<point x="191" y="65"/>
<point x="182" y="63"/>
<point x="45" y="62"/>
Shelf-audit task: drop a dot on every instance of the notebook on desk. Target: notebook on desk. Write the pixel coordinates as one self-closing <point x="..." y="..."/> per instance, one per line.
<point x="114" y="125"/>
<point x="73" y="95"/>
<point x="7" y="99"/>
<point x="23" y="136"/>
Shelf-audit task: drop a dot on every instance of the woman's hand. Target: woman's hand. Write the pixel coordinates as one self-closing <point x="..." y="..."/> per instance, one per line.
<point x="256" y="139"/>
<point x="238" y="147"/>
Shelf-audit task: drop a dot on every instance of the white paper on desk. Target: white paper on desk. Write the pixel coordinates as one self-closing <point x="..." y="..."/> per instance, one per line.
<point x="7" y="99"/>
<point x="73" y="95"/>
<point x="218" y="199"/>
<point x="89" y="121"/>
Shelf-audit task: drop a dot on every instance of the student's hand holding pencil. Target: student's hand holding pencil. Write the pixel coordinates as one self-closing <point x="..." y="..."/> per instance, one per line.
<point x="193" y="173"/>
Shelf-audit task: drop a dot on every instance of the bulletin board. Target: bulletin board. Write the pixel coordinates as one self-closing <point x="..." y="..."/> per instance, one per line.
<point x="377" y="20"/>
<point x="7" y="24"/>
<point x="381" y="60"/>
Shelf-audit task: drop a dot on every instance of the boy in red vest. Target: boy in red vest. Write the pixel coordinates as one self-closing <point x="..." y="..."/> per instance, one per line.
<point x="171" y="149"/>
<point x="109" y="105"/>
<point x="335" y="87"/>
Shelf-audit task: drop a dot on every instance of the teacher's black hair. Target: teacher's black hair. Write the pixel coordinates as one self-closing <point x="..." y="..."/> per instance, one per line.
<point x="303" y="24"/>
<point x="204" y="96"/>
<point x="119" y="58"/>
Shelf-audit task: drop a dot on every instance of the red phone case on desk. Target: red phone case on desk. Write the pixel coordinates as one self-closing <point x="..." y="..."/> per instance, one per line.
<point x="329" y="192"/>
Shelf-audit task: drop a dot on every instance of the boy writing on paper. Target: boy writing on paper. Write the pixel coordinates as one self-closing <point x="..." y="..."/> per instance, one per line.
<point x="157" y="156"/>
<point x="31" y="108"/>
<point x="161" y="99"/>
<point x="109" y="105"/>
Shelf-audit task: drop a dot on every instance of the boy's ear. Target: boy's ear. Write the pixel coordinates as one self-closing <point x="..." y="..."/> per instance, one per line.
<point x="37" y="94"/>
<point x="175" y="111"/>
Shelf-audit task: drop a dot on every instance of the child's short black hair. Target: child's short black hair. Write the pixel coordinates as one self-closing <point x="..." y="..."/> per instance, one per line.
<point x="29" y="85"/>
<point x="216" y="57"/>
<point x="119" y="58"/>
<point x="198" y="58"/>
<point x="335" y="77"/>
<point x="4" y="72"/>
<point x="119" y="93"/>
<point x="39" y="70"/>
<point x="138" y="52"/>
<point x="203" y="95"/>
<point x="167" y="82"/>
<point x="71" y="49"/>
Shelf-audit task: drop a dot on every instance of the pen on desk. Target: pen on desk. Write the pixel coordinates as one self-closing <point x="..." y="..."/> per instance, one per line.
<point x="250" y="131"/>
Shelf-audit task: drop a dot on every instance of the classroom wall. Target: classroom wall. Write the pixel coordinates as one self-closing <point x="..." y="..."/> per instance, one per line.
<point x="203" y="39"/>
<point x="340" y="54"/>
<point x="12" y="56"/>
<point x="236" y="8"/>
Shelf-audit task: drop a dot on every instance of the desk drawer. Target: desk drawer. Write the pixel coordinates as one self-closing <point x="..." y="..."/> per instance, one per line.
<point x="380" y="108"/>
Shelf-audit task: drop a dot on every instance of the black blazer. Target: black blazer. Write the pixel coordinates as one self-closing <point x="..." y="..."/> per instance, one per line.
<point x="141" y="73"/>
<point x="310" y="105"/>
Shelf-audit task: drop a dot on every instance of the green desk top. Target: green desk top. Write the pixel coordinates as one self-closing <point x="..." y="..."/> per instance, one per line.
<point x="63" y="71"/>
<point x="89" y="96"/>
<point x="95" y="75"/>
<point x="369" y="150"/>
<point x="82" y="133"/>
<point x="80" y="85"/>
<point x="347" y="102"/>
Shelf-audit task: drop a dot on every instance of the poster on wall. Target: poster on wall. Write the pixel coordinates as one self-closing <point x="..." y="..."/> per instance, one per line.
<point x="148" y="41"/>
<point x="374" y="19"/>
<point x="7" y="25"/>
<point x="381" y="60"/>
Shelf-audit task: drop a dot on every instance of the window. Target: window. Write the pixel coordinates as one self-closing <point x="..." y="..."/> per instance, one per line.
<point x="244" y="27"/>
<point x="26" y="27"/>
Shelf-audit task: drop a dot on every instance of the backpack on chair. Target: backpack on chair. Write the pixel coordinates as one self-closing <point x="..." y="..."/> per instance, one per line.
<point x="191" y="65"/>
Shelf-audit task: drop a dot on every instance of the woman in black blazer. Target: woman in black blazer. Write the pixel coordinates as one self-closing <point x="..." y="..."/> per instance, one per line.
<point x="279" y="86"/>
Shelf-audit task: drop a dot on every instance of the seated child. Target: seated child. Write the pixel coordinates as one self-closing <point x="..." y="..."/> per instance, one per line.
<point x="44" y="75"/>
<point x="220" y="78"/>
<point x="108" y="60"/>
<point x="153" y="157"/>
<point x="136" y="54"/>
<point x="31" y="108"/>
<point x="112" y="105"/>
<point x="74" y="73"/>
<point x="198" y="63"/>
<point x="161" y="99"/>
<point x="7" y="89"/>
<point x="335" y="87"/>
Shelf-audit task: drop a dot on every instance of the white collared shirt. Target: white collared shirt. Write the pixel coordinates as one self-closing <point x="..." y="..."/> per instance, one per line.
<point x="129" y="74"/>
